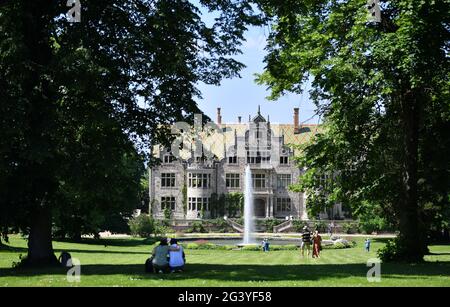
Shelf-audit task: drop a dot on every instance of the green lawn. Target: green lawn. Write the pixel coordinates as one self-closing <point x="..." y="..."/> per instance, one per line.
<point x="120" y="263"/>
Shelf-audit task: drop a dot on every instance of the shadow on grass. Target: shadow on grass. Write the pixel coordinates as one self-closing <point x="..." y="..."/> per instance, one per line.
<point x="13" y="249"/>
<point x="126" y="242"/>
<point x="57" y="251"/>
<point x="244" y="272"/>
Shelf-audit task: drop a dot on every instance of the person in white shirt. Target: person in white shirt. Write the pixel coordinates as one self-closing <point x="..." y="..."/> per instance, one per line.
<point x="177" y="258"/>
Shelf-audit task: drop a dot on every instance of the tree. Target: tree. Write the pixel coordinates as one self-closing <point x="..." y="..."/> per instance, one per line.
<point x="383" y="91"/>
<point x="234" y="203"/>
<point x="119" y="77"/>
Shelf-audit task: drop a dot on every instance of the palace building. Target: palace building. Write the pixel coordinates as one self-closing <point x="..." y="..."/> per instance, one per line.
<point x="213" y="164"/>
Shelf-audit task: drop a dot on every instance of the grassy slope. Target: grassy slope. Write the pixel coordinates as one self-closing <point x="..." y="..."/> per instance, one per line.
<point x="120" y="263"/>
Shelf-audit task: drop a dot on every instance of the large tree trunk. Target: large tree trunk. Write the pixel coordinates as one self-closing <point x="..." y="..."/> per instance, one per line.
<point x="40" y="249"/>
<point x="35" y="20"/>
<point x="412" y="242"/>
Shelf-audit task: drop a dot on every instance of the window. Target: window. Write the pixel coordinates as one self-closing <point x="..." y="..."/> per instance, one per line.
<point x="168" y="158"/>
<point x="167" y="180"/>
<point x="259" y="180"/>
<point x="258" y="157"/>
<point x="232" y="180"/>
<point x="199" y="180"/>
<point x="283" y="180"/>
<point x="258" y="134"/>
<point x="284" y="160"/>
<point x="232" y="160"/>
<point x="197" y="203"/>
<point x="168" y="202"/>
<point x="324" y="180"/>
<point x="283" y="204"/>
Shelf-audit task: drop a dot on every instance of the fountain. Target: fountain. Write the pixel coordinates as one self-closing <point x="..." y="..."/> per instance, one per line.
<point x="248" y="207"/>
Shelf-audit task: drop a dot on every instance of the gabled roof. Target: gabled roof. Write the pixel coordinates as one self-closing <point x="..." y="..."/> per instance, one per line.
<point x="258" y="118"/>
<point x="218" y="142"/>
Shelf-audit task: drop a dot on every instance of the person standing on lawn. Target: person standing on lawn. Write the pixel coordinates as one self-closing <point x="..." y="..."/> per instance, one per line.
<point x="306" y="241"/>
<point x="367" y="245"/>
<point x="317" y="244"/>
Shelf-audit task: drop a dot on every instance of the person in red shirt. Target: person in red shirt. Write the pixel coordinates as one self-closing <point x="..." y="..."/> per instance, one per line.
<point x="317" y="242"/>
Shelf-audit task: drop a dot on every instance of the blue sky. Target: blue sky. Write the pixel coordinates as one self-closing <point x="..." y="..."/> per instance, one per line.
<point x="241" y="96"/>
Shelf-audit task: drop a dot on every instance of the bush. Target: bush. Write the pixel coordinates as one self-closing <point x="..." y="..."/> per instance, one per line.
<point x="287" y="247"/>
<point x="338" y="245"/>
<point x="320" y="226"/>
<point x="251" y="248"/>
<point x="374" y="224"/>
<point x="350" y="228"/>
<point x="207" y="246"/>
<point x="143" y="226"/>
<point x="394" y="251"/>
<point x="190" y="246"/>
<point x="221" y="225"/>
<point x="269" y="224"/>
<point x="197" y="227"/>
<point x="297" y="225"/>
<point x="240" y="221"/>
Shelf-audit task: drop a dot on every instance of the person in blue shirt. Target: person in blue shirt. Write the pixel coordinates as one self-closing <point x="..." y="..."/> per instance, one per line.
<point x="177" y="257"/>
<point x="367" y="245"/>
<point x="265" y="245"/>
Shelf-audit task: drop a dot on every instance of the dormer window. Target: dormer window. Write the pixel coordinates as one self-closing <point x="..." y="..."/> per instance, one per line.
<point x="168" y="158"/>
<point x="284" y="160"/>
<point x="232" y="160"/>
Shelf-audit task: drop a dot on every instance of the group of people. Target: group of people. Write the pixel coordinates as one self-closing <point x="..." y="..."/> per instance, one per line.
<point x="309" y="239"/>
<point x="167" y="256"/>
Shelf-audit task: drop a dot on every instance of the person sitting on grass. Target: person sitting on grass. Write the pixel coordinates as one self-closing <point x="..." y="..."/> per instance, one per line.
<point x="161" y="255"/>
<point x="177" y="257"/>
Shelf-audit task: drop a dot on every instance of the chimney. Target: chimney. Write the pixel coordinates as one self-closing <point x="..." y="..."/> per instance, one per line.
<point x="219" y="117"/>
<point x="239" y="119"/>
<point x="296" y="127"/>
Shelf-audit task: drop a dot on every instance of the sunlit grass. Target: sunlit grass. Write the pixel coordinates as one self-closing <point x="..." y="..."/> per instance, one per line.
<point x="119" y="262"/>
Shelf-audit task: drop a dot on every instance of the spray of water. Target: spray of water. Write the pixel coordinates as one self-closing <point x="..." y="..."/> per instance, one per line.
<point x="248" y="207"/>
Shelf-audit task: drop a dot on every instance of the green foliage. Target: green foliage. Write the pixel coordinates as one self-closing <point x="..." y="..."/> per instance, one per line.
<point x="297" y="225"/>
<point x="82" y="103"/>
<point x="217" y="205"/>
<point x="220" y="225"/>
<point x="251" y="248"/>
<point x="350" y="227"/>
<point x="270" y="223"/>
<point x="382" y="91"/>
<point x="287" y="247"/>
<point x="391" y="252"/>
<point x="144" y="195"/>
<point x="197" y="227"/>
<point x="320" y="226"/>
<point x="371" y="218"/>
<point x="335" y="246"/>
<point x="167" y="213"/>
<point x="395" y="250"/>
<point x="145" y="226"/>
<point x="185" y="198"/>
<point x="234" y="203"/>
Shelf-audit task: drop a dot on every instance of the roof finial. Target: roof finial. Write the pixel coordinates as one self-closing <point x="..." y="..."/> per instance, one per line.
<point x="259" y="110"/>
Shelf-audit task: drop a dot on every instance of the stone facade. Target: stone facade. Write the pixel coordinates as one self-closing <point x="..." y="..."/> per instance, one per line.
<point x="184" y="186"/>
